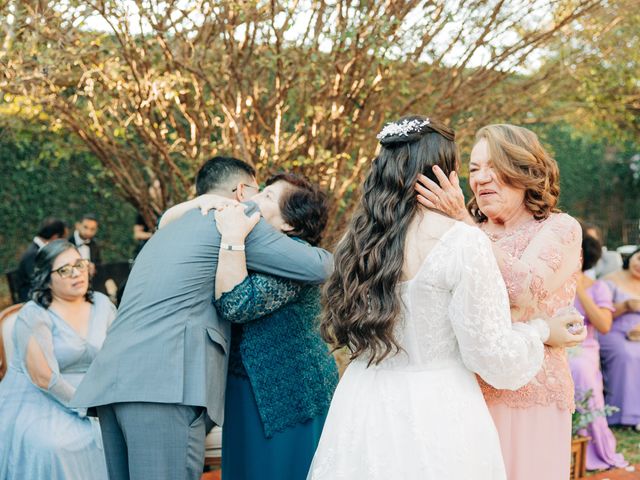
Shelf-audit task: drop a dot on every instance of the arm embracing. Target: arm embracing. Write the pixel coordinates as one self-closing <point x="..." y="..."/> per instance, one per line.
<point x="256" y="296"/>
<point x="272" y="252"/>
<point x="506" y="356"/>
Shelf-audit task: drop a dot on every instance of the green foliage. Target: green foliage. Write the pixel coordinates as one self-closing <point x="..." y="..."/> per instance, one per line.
<point x="40" y="179"/>
<point x="628" y="443"/>
<point x="597" y="180"/>
<point x="585" y="413"/>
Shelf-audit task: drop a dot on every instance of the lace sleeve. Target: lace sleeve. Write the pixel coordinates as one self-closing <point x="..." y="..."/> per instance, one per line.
<point x="35" y="348"/>
<point x="505" y="356"/>
<point x="549" y="261"/>
<point x="256" y="296"/>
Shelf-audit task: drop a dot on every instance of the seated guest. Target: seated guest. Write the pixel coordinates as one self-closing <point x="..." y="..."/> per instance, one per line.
<point x="84" y="239"/>
<point x="141" y="233"/>
<point x="56" y="336"/>
<point x="50" y="229"/>
<point x="620" y="348"/>
<point x="594" y="301"/>
<point x="610" y="260"/>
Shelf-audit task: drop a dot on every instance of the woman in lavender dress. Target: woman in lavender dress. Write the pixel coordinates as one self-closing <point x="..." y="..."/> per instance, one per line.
<point x="619" y="349"/>
<point x="593" y="300"/>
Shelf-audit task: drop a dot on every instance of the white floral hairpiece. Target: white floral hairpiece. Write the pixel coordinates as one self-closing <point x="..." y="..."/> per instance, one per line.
<point x="403" y="128"/>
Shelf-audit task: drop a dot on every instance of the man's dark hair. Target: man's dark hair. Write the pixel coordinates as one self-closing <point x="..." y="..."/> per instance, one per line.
<point x="50" y="227"/>
<point x="303" y="206"/>
<point x="216" y="171"/>
<point x="591" y="251"/>
<point x="89" y="216"/>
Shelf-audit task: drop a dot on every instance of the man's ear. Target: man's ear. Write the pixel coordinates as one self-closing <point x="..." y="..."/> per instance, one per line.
<point x="286" y="228"/>
<point x="239" y="192"/>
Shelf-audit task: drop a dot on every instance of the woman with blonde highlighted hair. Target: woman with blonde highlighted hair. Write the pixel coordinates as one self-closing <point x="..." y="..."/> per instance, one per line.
<point x="515" y="185"/>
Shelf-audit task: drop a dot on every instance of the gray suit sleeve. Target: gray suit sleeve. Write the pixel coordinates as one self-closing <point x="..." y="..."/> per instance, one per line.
<point x="269" y="251"/>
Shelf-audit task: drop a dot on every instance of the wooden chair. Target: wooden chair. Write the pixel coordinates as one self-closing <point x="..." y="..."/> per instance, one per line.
<point x="7" y="320"/>
<point x="213" y="448"/>
<point x="12" y="281"/>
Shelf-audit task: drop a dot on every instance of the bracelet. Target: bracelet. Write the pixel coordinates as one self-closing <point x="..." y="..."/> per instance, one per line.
<point x="234" y="248"/>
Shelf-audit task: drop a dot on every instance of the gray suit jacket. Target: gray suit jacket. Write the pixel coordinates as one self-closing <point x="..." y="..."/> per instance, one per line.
<point x="167" y="344"/>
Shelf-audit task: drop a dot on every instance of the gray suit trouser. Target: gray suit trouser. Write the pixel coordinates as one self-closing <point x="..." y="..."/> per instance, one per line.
<point x="153" y="440"/>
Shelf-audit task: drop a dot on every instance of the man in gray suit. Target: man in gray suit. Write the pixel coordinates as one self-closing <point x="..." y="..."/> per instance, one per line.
<point x="162" y="368"/>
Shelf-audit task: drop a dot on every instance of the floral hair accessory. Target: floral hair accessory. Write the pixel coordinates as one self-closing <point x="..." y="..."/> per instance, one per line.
<point x="403" y="128"/>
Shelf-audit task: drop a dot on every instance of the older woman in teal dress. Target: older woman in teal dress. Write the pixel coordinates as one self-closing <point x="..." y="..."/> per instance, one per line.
<point x="56" y="336"/>
<point x="281" y="374"/>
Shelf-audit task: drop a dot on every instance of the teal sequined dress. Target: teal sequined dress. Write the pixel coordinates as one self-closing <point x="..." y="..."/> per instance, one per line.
<point x="281" y="379"/>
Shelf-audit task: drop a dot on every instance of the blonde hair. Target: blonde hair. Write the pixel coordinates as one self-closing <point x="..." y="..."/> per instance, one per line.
<point x="521" y="161"/>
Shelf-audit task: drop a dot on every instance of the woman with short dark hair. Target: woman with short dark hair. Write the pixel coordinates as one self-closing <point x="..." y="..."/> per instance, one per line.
<point x="56" y="336"/>
<point x="281" y="374"/>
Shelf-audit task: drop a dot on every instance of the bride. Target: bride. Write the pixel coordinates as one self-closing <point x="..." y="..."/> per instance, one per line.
<point x="418" y="299"/>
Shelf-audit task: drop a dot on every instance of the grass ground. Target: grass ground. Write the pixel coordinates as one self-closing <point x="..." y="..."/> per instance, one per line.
<point x="629" y="445"/>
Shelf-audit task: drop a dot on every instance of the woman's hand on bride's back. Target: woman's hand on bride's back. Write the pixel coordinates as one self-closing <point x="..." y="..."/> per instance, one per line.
<point x="233" y="224"/>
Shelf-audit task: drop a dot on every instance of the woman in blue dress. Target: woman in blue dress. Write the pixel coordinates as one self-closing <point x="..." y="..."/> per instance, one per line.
<point x="56" y="336"/>
<point x="281" y="374"/>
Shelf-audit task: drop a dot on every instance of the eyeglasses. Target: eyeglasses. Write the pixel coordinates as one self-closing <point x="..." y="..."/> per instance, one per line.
<point x="66" y="271"/>
<point x="248" y="186"/>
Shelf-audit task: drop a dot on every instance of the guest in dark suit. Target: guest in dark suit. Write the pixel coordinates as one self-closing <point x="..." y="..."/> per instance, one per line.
<point x="50" y="229"/>
<point x="84" y="238"/>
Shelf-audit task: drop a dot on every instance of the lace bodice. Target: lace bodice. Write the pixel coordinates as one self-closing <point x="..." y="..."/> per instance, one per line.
<point x="540" y="263"/>
<point x="457" y="308"/>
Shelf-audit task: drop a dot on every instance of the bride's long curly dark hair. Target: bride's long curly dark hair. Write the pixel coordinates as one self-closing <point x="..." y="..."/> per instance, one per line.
<point x="361" y="302"/>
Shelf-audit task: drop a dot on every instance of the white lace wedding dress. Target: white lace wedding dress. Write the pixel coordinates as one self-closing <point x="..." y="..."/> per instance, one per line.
<point x="420" y="414"/>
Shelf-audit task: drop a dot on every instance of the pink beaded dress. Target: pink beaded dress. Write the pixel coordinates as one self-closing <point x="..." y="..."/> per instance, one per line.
<point x="540" y="262"/>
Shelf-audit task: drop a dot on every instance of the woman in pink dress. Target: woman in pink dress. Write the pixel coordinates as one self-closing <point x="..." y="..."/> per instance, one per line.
<point x="595" y="302"/>
<point x="515" y="185"/>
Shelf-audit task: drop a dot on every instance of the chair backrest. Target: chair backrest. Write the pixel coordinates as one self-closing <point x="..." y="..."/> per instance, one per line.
<point x="12" y="280"/>
<point x="213" y="448"/>
<point x="7" y="320"/>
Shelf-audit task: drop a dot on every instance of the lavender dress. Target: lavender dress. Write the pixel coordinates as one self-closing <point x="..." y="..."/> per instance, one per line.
<point x="621" y="364"/>
<point x="584" y="361"/>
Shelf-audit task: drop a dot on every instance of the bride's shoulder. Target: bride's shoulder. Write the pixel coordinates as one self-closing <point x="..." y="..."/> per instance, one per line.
<point x="464" y="232"/>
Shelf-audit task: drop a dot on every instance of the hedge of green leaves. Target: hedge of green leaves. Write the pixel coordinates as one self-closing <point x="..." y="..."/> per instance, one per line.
<point x="36" y="183"/>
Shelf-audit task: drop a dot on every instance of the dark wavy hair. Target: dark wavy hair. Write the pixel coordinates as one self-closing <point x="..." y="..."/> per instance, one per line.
<point x="41" y="280"/>
<point x="627" y="260"/>
<point x="361" y="302"/>
<point x="591" y="251"/>
<point x="303" y="206"/>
